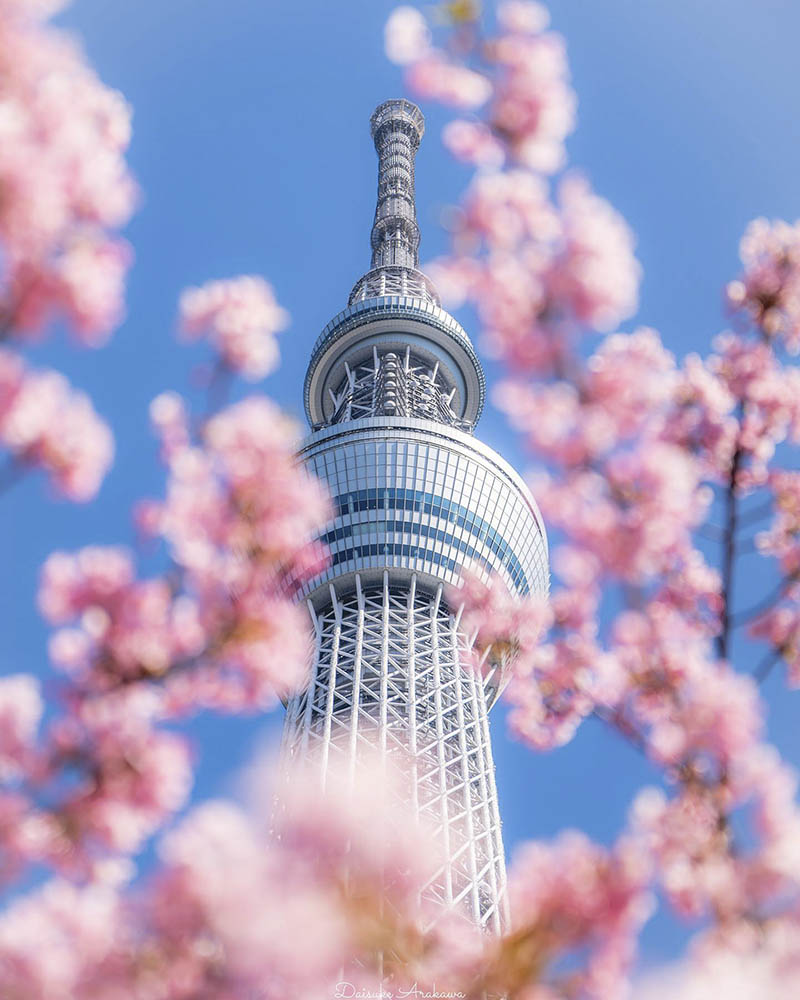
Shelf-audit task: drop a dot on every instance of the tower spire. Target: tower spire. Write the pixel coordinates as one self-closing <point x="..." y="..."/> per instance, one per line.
<point x="397" y="128"/>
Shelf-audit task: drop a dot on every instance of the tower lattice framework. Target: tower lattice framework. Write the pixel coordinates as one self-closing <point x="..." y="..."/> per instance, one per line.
<point x="393" y="392"/>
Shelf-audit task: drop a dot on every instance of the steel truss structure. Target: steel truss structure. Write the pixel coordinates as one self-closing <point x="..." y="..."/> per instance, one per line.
<point x="393" y="392"/>
<point x="388" y="675"/>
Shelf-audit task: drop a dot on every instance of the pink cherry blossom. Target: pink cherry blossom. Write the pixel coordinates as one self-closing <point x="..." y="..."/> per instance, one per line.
<point x="691" y="850"/>
<point x="243" y="493"/>
<point x="780" y="626"/>
<point x="27" y="834"/>
<point x="139" y="775"/>
<point x="504" y="626"/>
<point x="54" y="942"/>
<point x="553" y="692"/>
<point x="630" y="377"/>
<point x="533" y="108"/>
<point x="437" y="78"/>
<point x="769" y="398"/>
<point x="233" y="909"/>
<point x="701" y="418"/>
<point x="20" y="713"/>
<point x="531" y="270"/>
<point x="30" y="9"/>
<point x="43" y="422"/>
<point x="506" y="210"/>
<point x="407" y="36"/>
<point x="89" y="281"/>
<point x="473" y="142"/>
<point x="742" y="964"/>
<point x="240" y="317"/>
<point x="637" y="515"/>
<point x="239" y="517"/>
<point x="598" y="275"/>
<point x="523" y="16"/>
<point x="63" y="137"/>
<point x="768" y="290"/>
<point x="693" y="588"/>
<point x="719" y="715"/>
<point x="575" y="895"/>
<point x="94" y="577"/>
<point x="170" y="421"/>
<point x="628" y="382"/>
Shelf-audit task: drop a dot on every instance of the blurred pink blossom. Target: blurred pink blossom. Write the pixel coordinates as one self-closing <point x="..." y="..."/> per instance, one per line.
<point x="769" y="287"/>
<point x="21" y="710"/>
<point x="66" y="185"/>
<point x="45" y="423"/>
<point x="240" y="317"/>
<point x="437" y="78"/>
<point x="577" y="895"/>
<point x="407" y="36"/>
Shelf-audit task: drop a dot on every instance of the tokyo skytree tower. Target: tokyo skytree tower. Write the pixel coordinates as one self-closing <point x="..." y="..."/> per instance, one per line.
<point x="393" y="392"/>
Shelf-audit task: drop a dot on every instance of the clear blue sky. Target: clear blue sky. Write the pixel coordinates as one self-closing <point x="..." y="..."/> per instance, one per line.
<point x="252" y="148"/>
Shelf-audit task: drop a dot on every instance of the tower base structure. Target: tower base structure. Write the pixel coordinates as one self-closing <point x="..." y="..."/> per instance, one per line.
<point x="389" y="679"/>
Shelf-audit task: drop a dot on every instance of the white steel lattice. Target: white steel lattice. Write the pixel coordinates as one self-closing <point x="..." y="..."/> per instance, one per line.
<point x="387" y="385"/>
<point x="388" y="673"/>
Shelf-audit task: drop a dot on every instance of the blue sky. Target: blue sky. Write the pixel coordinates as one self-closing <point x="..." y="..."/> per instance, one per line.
<point x="252" y="148"/>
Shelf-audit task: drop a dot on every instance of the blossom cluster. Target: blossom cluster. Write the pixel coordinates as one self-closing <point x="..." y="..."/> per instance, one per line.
<point x="232" y="907"/>
<point x="768" y="289"/>
<point x="240" y="317"/>
<point x="238" y="519"/>
<point x="65" y="190"/>
<point x="636" y="451"/>
<point x="65" y="183"/>
<point x="531" y="106"/>
<point x="44" y="423"/>
<point x="218" y="630"/>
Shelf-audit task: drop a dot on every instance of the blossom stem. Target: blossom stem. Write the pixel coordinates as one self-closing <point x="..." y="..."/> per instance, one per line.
<point x="729" y="555"/>
<point x="764" y="668"/>
<point x="11" y="473"/>
<point x="218" y="390"/>
<point x="756" y="514"/>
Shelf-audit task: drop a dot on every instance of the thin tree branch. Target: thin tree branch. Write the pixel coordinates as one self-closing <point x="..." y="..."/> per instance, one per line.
<point x="11" y="472"/>
<point x="749" y="517"/>
<point x="764" y="668"/>
<point x="218" y="390"/>
<point x="729" y="555"/>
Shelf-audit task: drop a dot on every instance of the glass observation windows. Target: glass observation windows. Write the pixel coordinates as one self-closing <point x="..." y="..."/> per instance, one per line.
<point x="418" y="501"/>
